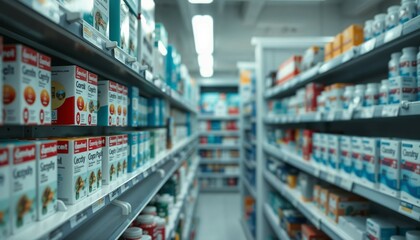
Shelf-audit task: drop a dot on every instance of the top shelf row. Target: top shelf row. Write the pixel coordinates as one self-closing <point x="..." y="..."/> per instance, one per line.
<point x="364" y="61"/>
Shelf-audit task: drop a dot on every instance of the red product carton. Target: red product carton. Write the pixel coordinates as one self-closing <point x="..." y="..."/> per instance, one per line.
<point x="288" y="69"/>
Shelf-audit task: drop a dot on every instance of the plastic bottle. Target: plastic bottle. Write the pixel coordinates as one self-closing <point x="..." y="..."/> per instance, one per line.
<point x="384" y="93"/>
<point x="368" y="30"/>
<point x="149" y="210"/>
<point x="133" y="233"/>
<point x="160" y="229"/>
<point x="359" y="95"/>
<point x="408" y="10"/>
<point x="148" y="224"/>
<point x="146" y="237"/>
<point x="348" y="96"/>
<point x="379" y="24"/>
<point x="394" y="65"/>
<point x="392" y="17"/>
<point x="408" y="62"/>
<point x="371" y="95"/>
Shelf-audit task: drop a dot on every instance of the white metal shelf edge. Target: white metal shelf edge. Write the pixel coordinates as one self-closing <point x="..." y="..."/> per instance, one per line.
<point x="246" y="230"/>
<point x="250" y="188"/>
<point x="275" y="223"/>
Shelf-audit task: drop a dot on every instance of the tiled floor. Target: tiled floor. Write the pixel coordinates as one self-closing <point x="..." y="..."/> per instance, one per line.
<point x="219" y="215"/>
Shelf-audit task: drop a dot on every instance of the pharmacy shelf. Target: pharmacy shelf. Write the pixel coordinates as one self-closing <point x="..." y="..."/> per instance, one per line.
<point x="218" y="146"/>
<point x="247" y="232"/>
<point x="274" y="221"/>
<point x="219" y="161"/>
<point x="213" y="117"/>
<point x="181" y="200"/>
<point x="250" y="188"/>
<point x="65" y="223"/>
<point x="315" y="216"/>
<point x="364" y="61"/>
<point x="221" y="132"/>
<point x="219" y="189"/>
<point x="65" y="39"/>
<point x="218" y="175"/>
<point x="249" y="164"/>
<point x="347" y="183"/>
<point x="190" y="216"/>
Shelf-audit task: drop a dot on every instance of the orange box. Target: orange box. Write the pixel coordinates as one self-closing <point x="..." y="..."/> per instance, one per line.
<point x="337" y="45"/>
<point x="309" y="232"/>
<point x="346" y="204"/>
<point x="288" y="69"/>
<point x="328" y="51"/>
<point x="352" y="36"/>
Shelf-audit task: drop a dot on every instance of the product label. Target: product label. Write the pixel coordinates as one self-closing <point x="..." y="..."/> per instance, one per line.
<point x="92" y="98"/>
<point x="410" y="172"/>
<point x="94" y="164"/>
<point x="390" y="167"/>
<point x="46" y="179"/>
<point x="370" y="156"/>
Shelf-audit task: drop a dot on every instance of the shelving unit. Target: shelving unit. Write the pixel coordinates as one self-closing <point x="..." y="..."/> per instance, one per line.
<point x="248" y="234"/>
<point x="274" y="222"/>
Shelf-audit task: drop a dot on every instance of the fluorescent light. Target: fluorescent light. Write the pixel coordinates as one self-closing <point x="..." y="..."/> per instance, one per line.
<point x="203" y="34"/>
<point x="201" y="1"/>
<point x="148" y="4"/>
<point x="206" y="72"/>
<point x="205" y="60"/>
<point x="162" y="48"/>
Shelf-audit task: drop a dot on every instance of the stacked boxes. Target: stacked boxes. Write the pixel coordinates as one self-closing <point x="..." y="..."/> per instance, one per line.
<point x="92" y="99"/>
<point x="44" y="89"/>
<point x="352" y="36"/>
<point x="94" y="167"/>
<point x="337" y="45"/>
<point x="108" y="103"/>
<point x="410" y="175"/>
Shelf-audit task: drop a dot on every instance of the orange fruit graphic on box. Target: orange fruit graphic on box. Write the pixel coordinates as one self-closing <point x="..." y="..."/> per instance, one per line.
<point x="29" y="95"/>
<point x="9" y="94"/>
<point x="80" y="103"/>
<point x="45" y="97"/>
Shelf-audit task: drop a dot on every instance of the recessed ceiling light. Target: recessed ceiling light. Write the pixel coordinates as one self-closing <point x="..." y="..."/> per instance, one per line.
<point x="206" y="72"/>
<point x="200" y="1"/>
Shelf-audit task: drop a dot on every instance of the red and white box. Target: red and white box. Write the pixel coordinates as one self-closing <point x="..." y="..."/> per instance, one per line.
<point x="288" y="69"/>
<point x="119" y="104"/>
<point x="109" y="159"/>
<point x="313" y="90"/>
<point x="94" y="164"/>
<point x="69" y="95"/>
<point x="20" y="68"/>
<point x="1" y="83"/>
<point x="92" y="99"/>
<point x="44" y="89"/>
<point x="124" y="105"/>
<point x="307" y="144"/>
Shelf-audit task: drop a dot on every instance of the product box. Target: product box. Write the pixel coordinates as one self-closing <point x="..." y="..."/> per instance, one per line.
<point x="315" y="194"/>
<point x="410" y="175"/>
<point x="94" y="168"/>
<point x="20" y="81"/>
<point x="133" y="107"/>
<point x="310" y="232"/>
<point x="333" y="153"/>
<point x="352" y="36"/>
<point x="323" y="141"/>
<point x="370" y="159"/>
<point x="311" y="57"/>
<point x="44" y="89"/>
<point x="124" y="101"/>
<point x="98" y="17"/>
<point x="133" y="34"/>
<point x="141" y="149"/>
<point x="346" y="204"/>
<point x="119" y="23"/>
<point x="92" y="99"/>
<point x="143" y="111"/>
<point x="122" y="155"/>
<point x="108" y="103"/>
<point x="1" y="82"/>
<point x="120" y="104"/>
<point x="72" y="169"/>
<point x="328" y="51"/>
<point x="402" y="89"/>
<point x="153" y="112"/>
<point x="346" y="163"/>
<point x="160" y="50"/>
<point x="353" y="226"/>
<point x="5" y="199"/>
<point x="109" y="159"/>
<point x="389" y="168"/>
<point x="292" y="221"/>
<point x="313" y="90"/>
<point x="323" y="199"/>
<point x="146" y="41"/>
<point x="69" y="93"/>
<point x="316" y="151"/>
<point x="23" y="185"/>
<point x="337" y="45"/>
<point x="307" y="144"/>
<point x="288" y="69"/>
<point x="133" y="151"/>
<point x="380" y="228"/>
<point x="356" y="158"/>
<point x="46" y="178"/>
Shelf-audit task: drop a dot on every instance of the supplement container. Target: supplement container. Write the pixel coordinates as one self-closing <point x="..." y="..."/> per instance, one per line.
<point x="348" y="96"/>
<point x="408" y="62"/>
<point x="371" y="95"/>
<point x="133" y="233"/>
<point x="392" y="17"/>
<point x="402" y="89"/>
<point x="394" y="65"/>
<point x="148" y="224"/>
<point x="384" y="93"/>
<point x="408" y="10"/>
<point x="146" y="237"/>
<point x="379" y="24"/>
<point x="161" y="223"/>
<point x="162" y="207"/>
<point x="359" y="95"/>
<point x="368" y="30"/>
<point x="149" y="210"/>
<point x="412" y="235"/>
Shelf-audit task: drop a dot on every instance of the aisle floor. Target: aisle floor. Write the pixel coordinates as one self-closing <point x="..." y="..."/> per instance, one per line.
<point x="219" y="215"/>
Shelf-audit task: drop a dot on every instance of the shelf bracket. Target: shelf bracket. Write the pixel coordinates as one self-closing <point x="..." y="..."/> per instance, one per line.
<point x="125" y="206"/>
<point x="131" y="59"/>
<point x="161" y="172"/>
<point x="72" y="17"/>
<point x="61" y="206"/>
<point x="111" y="45"/>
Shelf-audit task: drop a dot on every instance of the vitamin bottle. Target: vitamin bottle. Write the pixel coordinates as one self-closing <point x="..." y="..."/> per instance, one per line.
<point x="368" y="30"/>
<point x="384" y="93"/>
<point x="371" y="95"/>
<point x="359" y="95"/>
<point x="160" y="229"/>
<point x="394" y="65"/>
<point x="379" y="24"/>
<point x="408" y="10"/>
<point x="408" y="62"/>
<point x="392" y="17"/>
<point x="148" y="224"/>
<point x="133" y="233"/>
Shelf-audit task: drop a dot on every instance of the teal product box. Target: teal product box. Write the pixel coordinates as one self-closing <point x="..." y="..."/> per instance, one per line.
<point x="410" y="174"/>
<point x="333" y="153"/>
<point x="380" y="229"/>
<point x="323" y="141"/>
<point x="389" y="167"/>
<point x="140" y="149"/>
<point x="233" y="103"/>
<point x="160" y="51"/>
<point x="147" y="143"/>
<point x="98" y="17"/>
<point x="151" y="146"/>
<point x="153" y="112"/>
<point x="146" y="40"/>
<point x="133" y="152"/>
<point x="162" y="108"/>
<point x="370" y="159"/>
<point x="208" y="102"/>
<point x="133" y="35"/>
<point x="346" y="163"/>
<point x="5" y="199"/>
<point x="170" y="66"/>
<point x="133" y="106"/>
<point x="119" y="23"/>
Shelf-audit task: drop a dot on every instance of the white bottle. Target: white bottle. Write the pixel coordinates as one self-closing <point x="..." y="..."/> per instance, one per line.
<point x="348" y="96"/>
<point x="359" y="95"/>
<point x="408" y="62"/>
<point x="408" y="10"/>
<point x="379" y="24"/>
<point x="394" y="65"/>
<point x="371" y="95"/>
<point x="384" y="93"/>
<point x="368" y="30"/>
<point x="392" y="17"/>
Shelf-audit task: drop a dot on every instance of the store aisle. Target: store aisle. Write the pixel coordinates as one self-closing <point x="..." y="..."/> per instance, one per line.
<point x="219" y="217"/>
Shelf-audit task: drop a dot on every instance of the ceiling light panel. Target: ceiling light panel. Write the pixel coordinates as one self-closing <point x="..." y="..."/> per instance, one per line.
<point x="200" y="1"/>
<point x="203" y="34"/>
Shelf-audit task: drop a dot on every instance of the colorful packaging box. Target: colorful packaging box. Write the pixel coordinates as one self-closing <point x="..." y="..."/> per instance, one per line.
<point x="380" y="229"/>
<point x="288" y="69"/>
<point x="133" y="107"/>
<point x="120" y="104"/>
<point x="313" y="90"/>
<point x="122" y="154"/>
<point x="5" y="189"/>
<point x="44" y="89"/>
<point x="311" y="57"/>
<point x="316" y="151"/>
<point x="124" y="121"/>
<point x="109" y="159"/>
<point x="389" y="173"/>
<point x="153" y="112"/>
<point x="94" y="168"/>
<point x="133" y="149"/>
<point x="20" y="68"/>
<point x="333" y="153"/>
<point x="324" y="150"/>
<point x="46" y="178"/>
<point x="352" y="36"/>
<point x="119" y="23"/>
<point x="356" y="158"/>
<point x="410" y="175"/>
<point x="346" y="162"/>
<point x="402" y="89"/>
<point x="310" y="232"/>
<point x="141" y="149"/>
<point x="370" y="159"/>
<point x="133" y="34"/>
<point x="92" y="99"/>
<point x="346" y="204"/>
<point x="99" y="16"/>
<point x="108" y="103"/>
<point x="307" y="144"/>
<point x="69" y="93"/>
<point x="337" y="45"/>
<point x="328" y="51"/>
<point x="72" y="169"/>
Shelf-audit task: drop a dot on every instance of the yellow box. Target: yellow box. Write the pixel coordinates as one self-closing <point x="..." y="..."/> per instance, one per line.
<point x="346" y="204"/>
<point x="352" y="36"/>
<point x="337" y="45"/>
<point x="328" y="51"/>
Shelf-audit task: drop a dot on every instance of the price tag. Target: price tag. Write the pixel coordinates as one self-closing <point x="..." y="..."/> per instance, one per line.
<point x="119" y="55"/>
<point x="368" y="46"/>
<point x="125" y="187"/>
<point x="409" y="210"/>
<point x="390" y="111"/>
<point x="367" y="112"/>
<point x="346" y="184"/>
<point x="330" y="177"/>
<point x="145" y="174"/>
<point x="347" y="56"/>
<point x="113" y="195"/>
<point x="348" y="114"/>
<point x="135" y="66"/>
<point x="79" y="218"/>
<point x="91" y="36"/>
<point x="136" y="180"/>
<point x="98" y="205"/>
<point x="331" y="116"/>
<point x="393" y="33"/>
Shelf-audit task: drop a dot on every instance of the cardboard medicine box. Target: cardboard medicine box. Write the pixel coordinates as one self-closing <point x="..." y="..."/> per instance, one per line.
<point x="119" y="23"/>
<point x="410" y="174"/>
<point x="346" y="163"/>
<point x="5" y="199"/>
<point x="345" y="204"/>
<point x="356" y="158"/>
<point x="133" y="107"/>
<point x="1" y="80"/>
<point x="389" y="167"/>
<point x="381" y="229"/>
<point x="133" y="151"/>
<point x="333" y="153"/>
<point x="352" y="36"/>
<point x="44" y="89"/>
<point x="328" y="51"/>
<point x="98" y="17"/>
<point x="124" y="103"/>
<point x="92" y="99"/>
<point x="94" y="168"/>
<point x="109" y="159"/>
<point x="370" y="159"/>
<point x="337" y="45"/>
<point x="108" y="103"/>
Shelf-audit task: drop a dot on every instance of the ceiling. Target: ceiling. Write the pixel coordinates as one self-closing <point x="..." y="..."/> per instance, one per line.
<point x="237" y="21"/>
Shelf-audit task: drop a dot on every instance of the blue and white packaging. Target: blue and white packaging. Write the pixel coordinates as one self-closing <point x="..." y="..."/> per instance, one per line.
<point x="140" y="149"/>
<point x="389" y="167"/>
<point x="133" y="106"/>
<point x="133" y="152"/>
<point x="346" y="163"/>
<point x="333" y="153"/>
<point x="402" y="89"/>
<point x="316" y="149"/>
<point x="370" y="159"/>
<point x="380" y="228"/>
<point x="324" y="150"/>
<point x="410" y="172"/>
<point x="153" y="112"/>
<point x="356" y="158"/>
